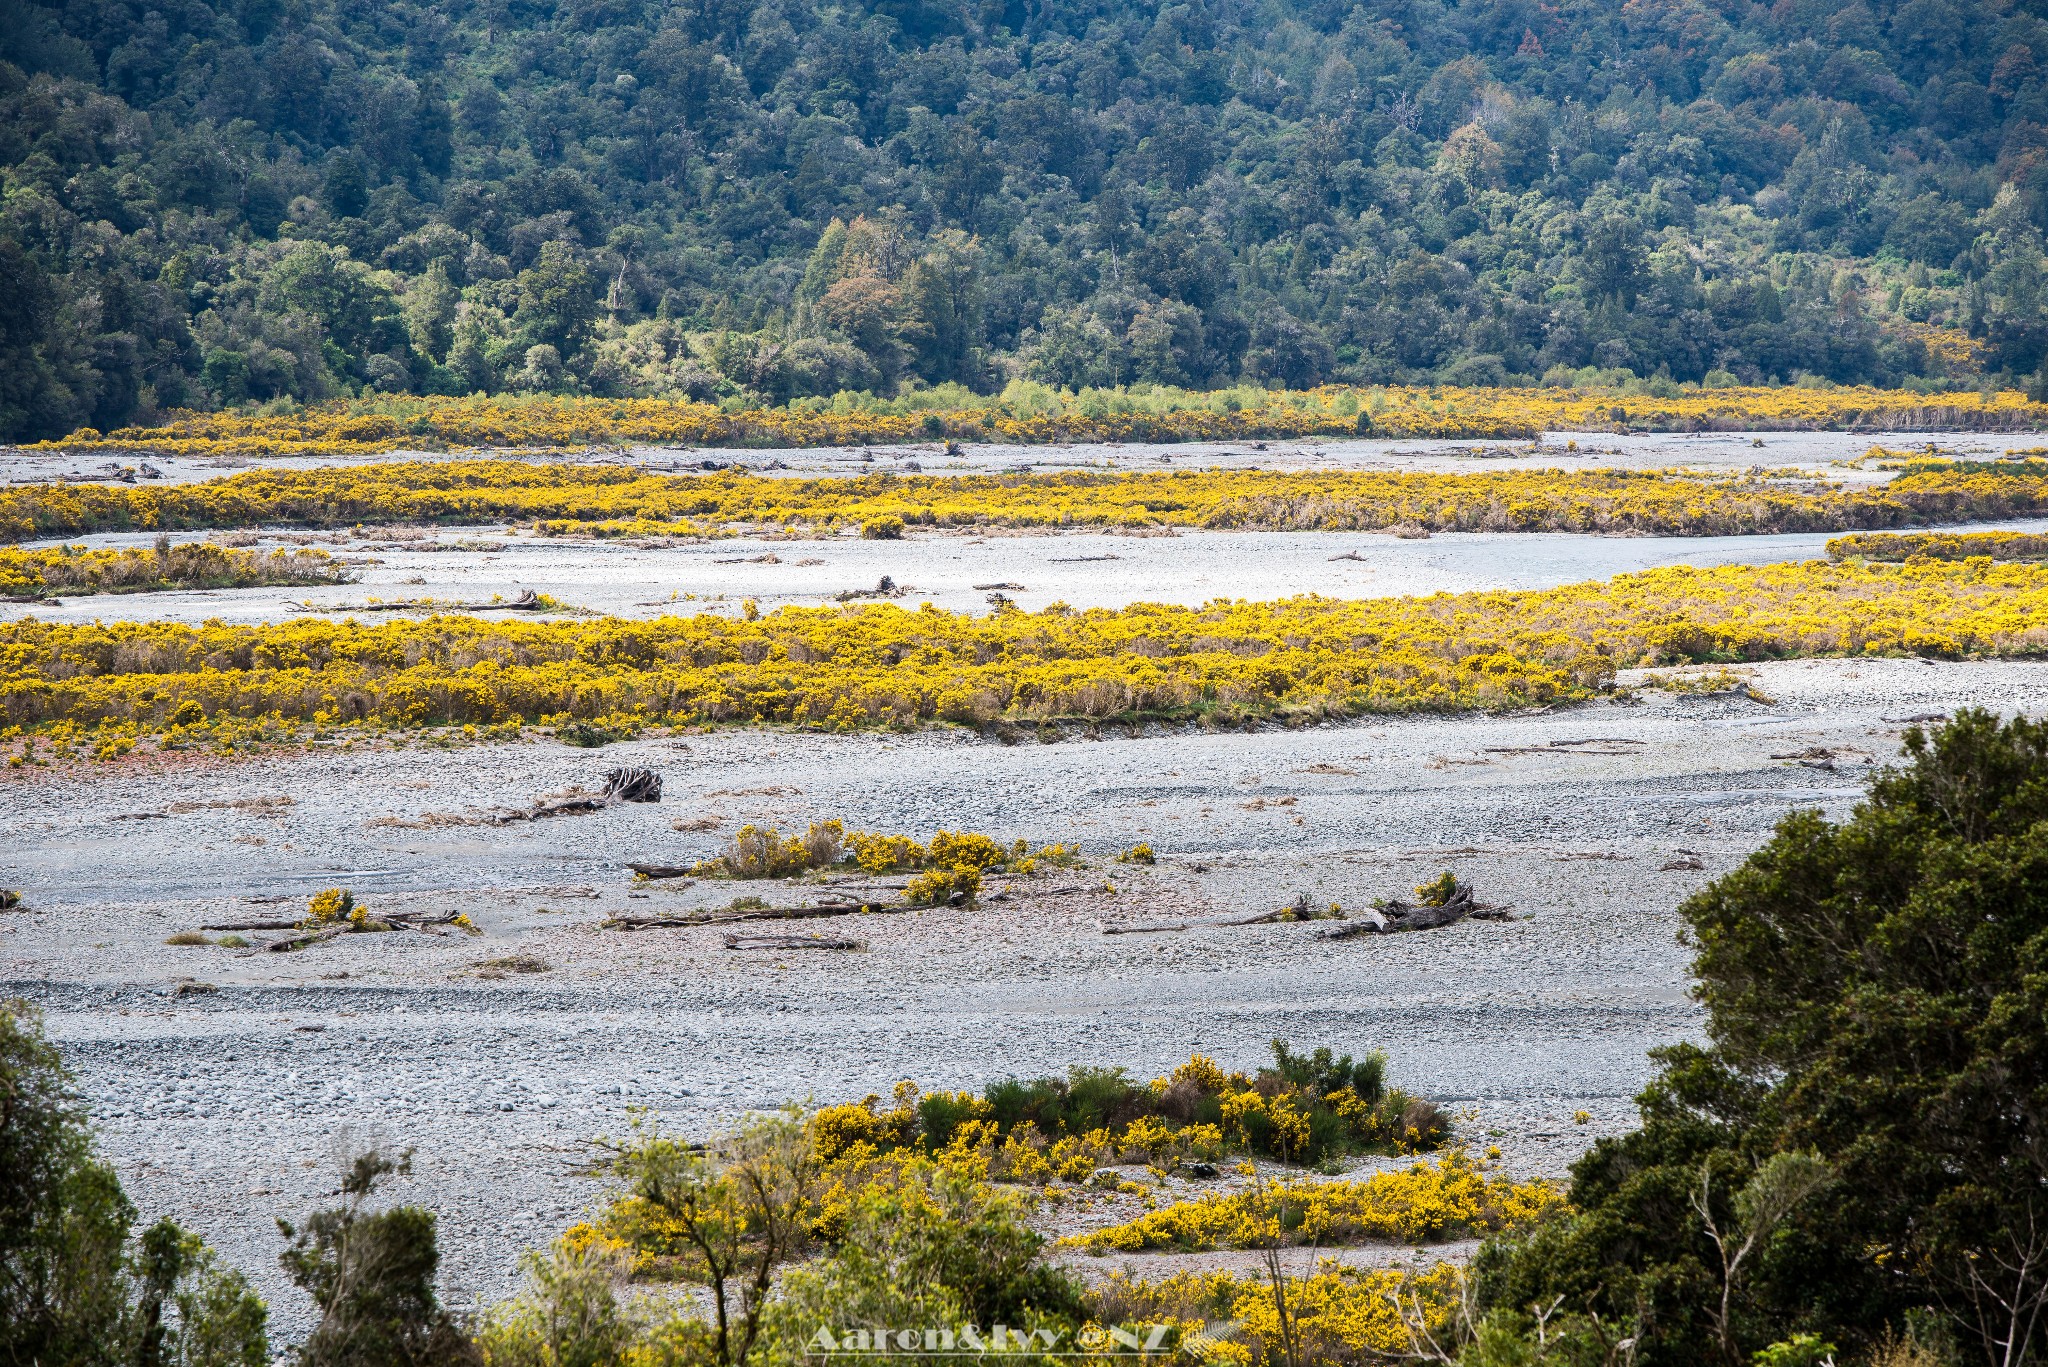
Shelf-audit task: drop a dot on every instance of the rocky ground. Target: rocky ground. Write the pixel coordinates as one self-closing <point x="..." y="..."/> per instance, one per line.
<point x="955" y="571"/>
<point x="1815" y="452"/>
<point x="223" y="1080"/>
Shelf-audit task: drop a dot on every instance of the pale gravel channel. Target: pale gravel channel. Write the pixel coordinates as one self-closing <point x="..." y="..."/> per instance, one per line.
<point x="221" y="1108"/>
<point x="954" y="571"/>
<point x="1823" y="453"/>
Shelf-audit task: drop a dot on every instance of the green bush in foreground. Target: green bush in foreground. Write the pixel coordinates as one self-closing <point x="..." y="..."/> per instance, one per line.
<point x="76" y="1288"/>
<point x="1861" y="1151"/>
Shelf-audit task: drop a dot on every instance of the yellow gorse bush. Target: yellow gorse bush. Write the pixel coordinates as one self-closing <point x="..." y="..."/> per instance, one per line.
<point x="1338" y="1315"/>
<point x="329" y="906"/>
<point x="1031" y="413"/>
<point x="954" y="860"/>
<point x="1940" y="546"/>
<point x="78" y="570"/>
<point x="1452" y="1197"/>
<point x="882" y="665"/>
<point x="623" y="501"/>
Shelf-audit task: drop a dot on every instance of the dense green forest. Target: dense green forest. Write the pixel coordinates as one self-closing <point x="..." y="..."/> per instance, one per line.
<point x="213" y="202"/>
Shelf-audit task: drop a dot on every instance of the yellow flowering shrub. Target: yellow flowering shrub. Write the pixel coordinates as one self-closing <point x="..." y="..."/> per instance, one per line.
<point x="1340" y="1315"/>
<point x="1939" y="546"/>
<point x="1451" y="1198"/>
<point x="882" y="665"/>
<point x="935" y="886"/>
<point x="77" y="570"/>
<point x="1036" y="414"/>
<point x="955" y="860"/>
<point x="617" y="500"/>
<point x="763" y="852"/>
<point x="885" y="853"/>
<point x="330" y="906"/>
<point x="836" y="1130"/>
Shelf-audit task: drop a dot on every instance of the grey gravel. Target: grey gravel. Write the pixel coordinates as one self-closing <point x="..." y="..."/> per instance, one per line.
<point x="224" y="1108"/>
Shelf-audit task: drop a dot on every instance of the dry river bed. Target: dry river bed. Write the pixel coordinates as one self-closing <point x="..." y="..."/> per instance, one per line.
<point x="1825" y="453"/>
<point x="957" y="571"/>
<point x="222" y="1106"/>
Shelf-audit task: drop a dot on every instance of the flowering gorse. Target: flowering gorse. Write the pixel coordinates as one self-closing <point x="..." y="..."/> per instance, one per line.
<point x="882" y="665"/>
<point x="617" y="500"/>
<point x="1034" y="413"/>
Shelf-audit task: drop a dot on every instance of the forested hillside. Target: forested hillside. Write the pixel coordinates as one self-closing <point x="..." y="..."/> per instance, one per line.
<point x="219" y="202"/>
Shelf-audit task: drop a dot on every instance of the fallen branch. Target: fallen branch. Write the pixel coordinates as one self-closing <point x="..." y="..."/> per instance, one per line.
<point x="1013" y="588"/>
<point x="419" y="920"/>
<point x="886" y="587"/>
<point x="527" y="601"/>
<point x="302" y="941"/>
<point x="1298" y="910"/>
<point x="620" y="785"/>
<point x="254" y="925"/>
<point x="1080" y="559"/>
<point x="790" y="942"/>
<point x="724" y="918"/>
<point x="1390" y="917"/>
<point x="660" y="871"/>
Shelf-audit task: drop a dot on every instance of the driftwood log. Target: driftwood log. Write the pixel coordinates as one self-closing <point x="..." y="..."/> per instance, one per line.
<point x="724" y="918"/>
<point x="313" y="935"/>
<point x="885" y="587"/>
<point x="632" y="785"/>
<point x="1389" y="917"/>
<point x="527" y="601"/>
<point x="620" y="785"/>
<point x="790" y="942"/>
<point x="286" y="946"/>
<point x="1298" y="910"/>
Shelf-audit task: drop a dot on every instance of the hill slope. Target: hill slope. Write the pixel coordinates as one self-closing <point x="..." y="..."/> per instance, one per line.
<point x="216" y="202"/>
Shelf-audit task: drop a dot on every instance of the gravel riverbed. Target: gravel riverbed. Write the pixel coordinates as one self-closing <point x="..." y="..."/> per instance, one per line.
<point x="223" y="1106"/>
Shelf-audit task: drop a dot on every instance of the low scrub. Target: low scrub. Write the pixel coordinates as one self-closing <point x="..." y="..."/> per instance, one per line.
<point x="1337" y="1315"/>
<point x="845" y="668"/>
<point x="953" y="862"/>
<point x="1939" y="546"/>
<point x="77" y="571"/>
<point x="1305" y="1108"/>
<point x="1035" y="413"/>
<point x="1451" y="1198"/>
<point x="618" y="500"/>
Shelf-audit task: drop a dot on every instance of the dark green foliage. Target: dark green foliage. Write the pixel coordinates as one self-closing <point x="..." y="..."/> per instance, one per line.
<point x="1289" y="191"/>
<point x="1319" y="1074"/>
<point x="1878" y="998"/>
<point x="589" y="735"/>
<point x="934" y="1251"/>
<point x="218" y="1321"/>
<point x="371" y="1275"/>
<point x="63" y="1218"/>
<point x="939" y="1115"/>
<point x="1095" y="1098"/>
<point x="73" y="1291"/>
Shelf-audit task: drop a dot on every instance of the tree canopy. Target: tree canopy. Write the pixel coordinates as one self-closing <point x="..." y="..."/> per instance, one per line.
<point x="225" y="201"/>
<point x="1870" y="1116"/>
